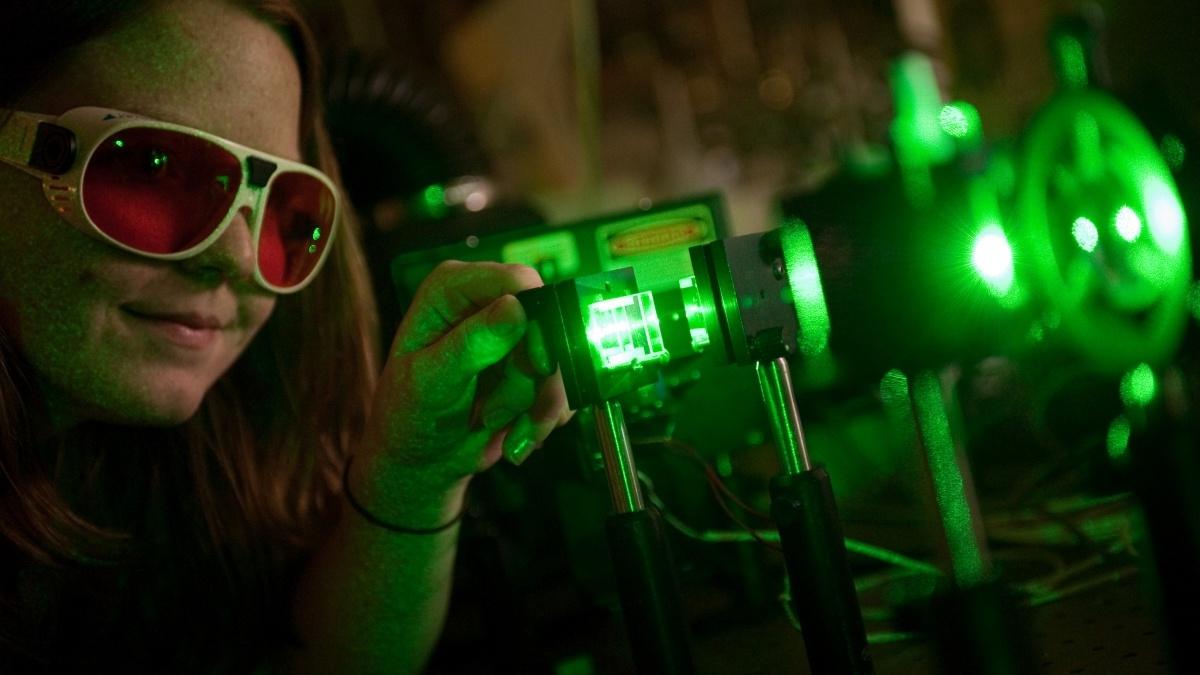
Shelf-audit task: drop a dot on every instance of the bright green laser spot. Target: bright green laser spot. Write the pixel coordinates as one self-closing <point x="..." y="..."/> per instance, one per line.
<point x="953" y="121"/>
<point x="966" y="558"/>
<point x="1164" y="213"/>
<point x="312" y="248"/>
<point x="119" y="143"/>
<point x="1173" y="151"/>
<point x="960" y="120"/>
<point x="800" y="260"/>
<point x="1129" y="225"/>
<point x="695" y="312"/>
<point x="316" y="234"/>
<point x="1118" y="439"/>
<point x="625" y="331"/>
<point x="158" y="159"/>
<point x="434" y="200"/>
<point x="1085" y="233"/>
<point x="992" y="258"/>
<point x="1138" y="386"/>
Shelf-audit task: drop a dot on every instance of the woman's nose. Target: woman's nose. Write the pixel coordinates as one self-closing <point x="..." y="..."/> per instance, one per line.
<point x="230" y="257"/>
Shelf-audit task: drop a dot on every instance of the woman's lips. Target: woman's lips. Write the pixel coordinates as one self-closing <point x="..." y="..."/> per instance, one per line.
<point x="188" y="329"/>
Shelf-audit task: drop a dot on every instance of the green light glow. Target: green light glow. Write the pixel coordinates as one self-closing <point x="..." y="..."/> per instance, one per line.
<point x="1138" y="386"/>
<point x="1118" y="439"/>
<point x="1193" y="300"/>
<point x="158" y="158"/>
<point x="1173" y="151"/>
<point x="695" y="312"/>
<point x="1085" y="233"/>
<point x="949" y="484"/>
<point x="119" y="143"/>
<point x="804" y="279"/>
<point x="1072" y="63"/>
<point x="1088" y="148"/>
<point x="312" y="248"/>
<point x="1164" y="213"/>
<point x="224" y="181"/>
<point x="625" y="331"/>
<point x="919" y="138"/>
<point x="992" y="257"/>
<point x="1128" y="224"/>
<point x="316" y="234"/>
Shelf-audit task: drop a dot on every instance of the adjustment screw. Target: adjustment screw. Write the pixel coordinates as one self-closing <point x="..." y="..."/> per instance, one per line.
<point x="777" y="269"/>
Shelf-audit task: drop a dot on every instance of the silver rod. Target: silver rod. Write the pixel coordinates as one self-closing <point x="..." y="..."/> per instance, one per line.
<point x="618" y="458"/>
<point x="775" y="380"/>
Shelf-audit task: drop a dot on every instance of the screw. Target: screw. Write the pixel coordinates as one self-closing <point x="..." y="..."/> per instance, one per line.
<point x="777" y="269"/>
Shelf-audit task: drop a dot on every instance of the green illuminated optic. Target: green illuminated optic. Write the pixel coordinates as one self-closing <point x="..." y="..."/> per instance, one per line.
<point x="1138" y="386"/>
<point x="1173" y="151"/>
<point x="992" y="258"/>
<point x="1085" y="233"/>
<point x="966" y="557"/>
<point x="1118" y="439"/>
<point x="316" y="235"/>
<point x="804" y="279"/>
<point x="625" y="331"/>
<point x="695" y="312"/>
<point x="312" y="248"/>
<point x="158" y="158"/>
<point x="119" y="143"/>
<point x="1129" y="225"/>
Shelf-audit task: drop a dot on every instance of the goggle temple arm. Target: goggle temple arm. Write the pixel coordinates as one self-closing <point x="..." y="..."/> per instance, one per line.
<point x="31" y="142"/>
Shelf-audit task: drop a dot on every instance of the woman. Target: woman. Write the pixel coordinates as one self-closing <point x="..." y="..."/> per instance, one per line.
<point x="186" y="363"/>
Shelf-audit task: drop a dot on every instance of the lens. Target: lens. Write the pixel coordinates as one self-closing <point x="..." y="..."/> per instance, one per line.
<point x="159" y="191"/>
<point x="297" y="226"/>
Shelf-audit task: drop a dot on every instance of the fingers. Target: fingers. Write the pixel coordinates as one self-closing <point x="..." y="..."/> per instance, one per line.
<point x="514" y="392"/>
<point x="454" y="291"/>
<point x="530" y="429"/>
<point x="481" y="340"/>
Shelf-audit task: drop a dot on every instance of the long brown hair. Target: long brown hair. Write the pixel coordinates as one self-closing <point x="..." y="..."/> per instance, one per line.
<point x="256" y="471"/>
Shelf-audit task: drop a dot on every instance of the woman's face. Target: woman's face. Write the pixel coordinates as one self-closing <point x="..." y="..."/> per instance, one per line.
<point x="72" y="301"/>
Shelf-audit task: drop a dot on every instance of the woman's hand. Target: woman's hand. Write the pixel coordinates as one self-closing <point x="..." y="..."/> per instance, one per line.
<point x="467" y="379"/>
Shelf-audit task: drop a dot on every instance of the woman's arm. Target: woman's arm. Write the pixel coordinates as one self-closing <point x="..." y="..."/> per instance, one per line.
<point x="373" y="600"/>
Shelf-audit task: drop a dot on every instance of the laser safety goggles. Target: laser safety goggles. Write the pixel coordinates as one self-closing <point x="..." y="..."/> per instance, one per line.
<point x="168" y="192"/>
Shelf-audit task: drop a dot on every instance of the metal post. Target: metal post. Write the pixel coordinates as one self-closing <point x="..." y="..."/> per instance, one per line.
<point x="775" y="379"/>
<point x="618" y="458"/>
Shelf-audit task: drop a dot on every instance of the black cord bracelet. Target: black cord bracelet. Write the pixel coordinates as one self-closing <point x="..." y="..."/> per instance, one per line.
<point x="375" y="520"/>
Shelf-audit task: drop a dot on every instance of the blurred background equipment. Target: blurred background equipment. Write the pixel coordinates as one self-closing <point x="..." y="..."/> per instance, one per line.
<point x="992" y="300"/>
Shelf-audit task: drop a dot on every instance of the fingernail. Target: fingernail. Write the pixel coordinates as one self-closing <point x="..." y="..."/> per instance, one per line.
<point x="521" y="452"/>
<point x="519" y="441"/>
